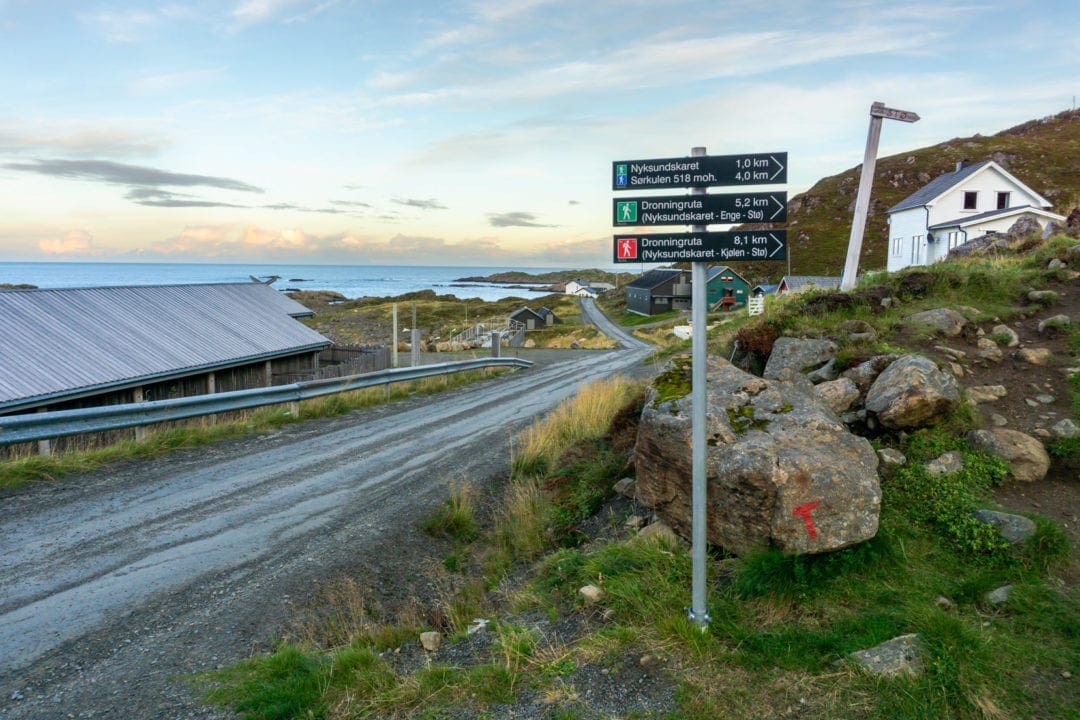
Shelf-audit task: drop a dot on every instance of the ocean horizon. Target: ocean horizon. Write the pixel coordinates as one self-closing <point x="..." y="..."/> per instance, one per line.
<point x="352" y="281"/>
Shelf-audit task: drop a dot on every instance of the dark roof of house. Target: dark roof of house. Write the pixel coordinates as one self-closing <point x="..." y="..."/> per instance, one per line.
<point x="67" y="343"/>
<point x="764" y="289"/>
<point x="1019" y="209"/>
<point x="652" y="278"/>
<point x="936" y="187"/>
<point x="800" y="282"/>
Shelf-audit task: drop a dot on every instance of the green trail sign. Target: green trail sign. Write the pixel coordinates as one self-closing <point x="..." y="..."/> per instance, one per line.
<point x="718" y="209"/>
<point x="703" y="171"/>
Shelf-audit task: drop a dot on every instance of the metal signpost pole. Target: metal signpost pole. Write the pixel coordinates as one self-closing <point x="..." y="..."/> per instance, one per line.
<point x="698" y="298"/>
<point x="866" y="181"/>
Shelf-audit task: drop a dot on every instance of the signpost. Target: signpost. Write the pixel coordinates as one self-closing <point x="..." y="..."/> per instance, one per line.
<point x="715" y="209"/>
<point x="703" y="171"/>
<point x="866" y="180"/>
<point x="725" y="246"/>
<point x="700" y="209"/>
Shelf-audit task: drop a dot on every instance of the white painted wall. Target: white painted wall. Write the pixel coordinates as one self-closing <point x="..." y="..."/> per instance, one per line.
<point x="988" y="182"/>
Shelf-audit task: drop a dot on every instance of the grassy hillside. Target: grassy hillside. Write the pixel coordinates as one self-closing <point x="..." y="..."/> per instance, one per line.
<point x="1043" y="154"/>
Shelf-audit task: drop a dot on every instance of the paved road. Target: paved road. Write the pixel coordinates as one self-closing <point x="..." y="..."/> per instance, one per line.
<point x="115" y="583"/>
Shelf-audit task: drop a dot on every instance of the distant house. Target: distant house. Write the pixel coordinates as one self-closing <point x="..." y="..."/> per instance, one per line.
<point x="581" y="288"/>
<point x="957" y="207"/>
<point x="762" y="290"/>
<point x="533" y="319"/>
<point x="726" y="289"/>
<point x="800" y="283"/>
<point x="84" y="347"/>
<point x="658" y="291"/>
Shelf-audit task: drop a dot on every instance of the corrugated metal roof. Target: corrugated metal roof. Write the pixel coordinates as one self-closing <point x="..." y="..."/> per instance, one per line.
<point x="795" y="283"/>
<point x="936" y="187"/>
<point x="74" y="341"/>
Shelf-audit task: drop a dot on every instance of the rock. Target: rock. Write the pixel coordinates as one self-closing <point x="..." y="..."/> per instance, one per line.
<point x="799" y="355"/>
<point x="1014" y="528"/>
<point x="858" y="330"/>
<point x="946" y="463"/>
<point x="1007" y="336"/>
<point x="912" y="392"/>
<point x="864" y="374"/>
<point x="782" y="469"/>
<point x="825" y="373"/>
<point x="952" y="353"/>
<point x="1055" y="324"/>
<point x="1065" y="429"/>
<point x="1045" y="399"/>
<point x="956" y="369"/>
<point x="1042" y="433"/>
<point x="945" y="604"/>
<point x="998" y="420"/>
<point x="946" y="321"/>
<point x="985" y="393"/>
<point x="1056" y="264"/>
<point x="838" y="394"/>
<point x="627" y="487"/>
<point x="430" y="640"/>
<point x="1024" y="227"/>
<point x="1031" y="403"/>
<point x="478" y="625"/>
<point x="659" y="531"/>
<point x="888" y="456"/>
<point x="988" y="350"/>
<point x="1044" y="297"/>
<point x="1036" y="356"/>
<point x="1026" y="456"/>
<point x="892" y="658"/>
<point x="634" y="522"/>
<point x="591" y="594"/>
<point x="1000" y="596"/>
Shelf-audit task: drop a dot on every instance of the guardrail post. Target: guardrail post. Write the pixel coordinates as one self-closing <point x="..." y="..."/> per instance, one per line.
<point x="211" y="388"/>
<point x="44" y="447"/>
<point x="140" y="431"/>
<point x="496" y="345"/>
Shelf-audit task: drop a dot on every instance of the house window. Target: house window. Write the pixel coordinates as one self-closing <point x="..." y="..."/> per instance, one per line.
<point x="971" y="199"/>
<point x="1002" y="200"/>
<point x="954" y="238"/>
<point x="897" y="245"/>
<point x="916" y="249"/>
<point x="660" y="300"/>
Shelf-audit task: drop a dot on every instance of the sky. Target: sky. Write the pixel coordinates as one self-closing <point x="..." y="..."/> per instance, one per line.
<point x="472" y="132"/>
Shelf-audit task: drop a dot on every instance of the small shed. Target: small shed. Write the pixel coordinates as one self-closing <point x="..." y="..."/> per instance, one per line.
<point x="763" y="290"/>
<point x="533" y="319"/>
<point x="659" y="291"/>
<point x="801" y="283"/>
<point x="726" y="289"/>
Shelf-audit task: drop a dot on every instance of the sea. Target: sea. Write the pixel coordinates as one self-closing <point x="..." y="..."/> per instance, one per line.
<point x="352" y="281"/>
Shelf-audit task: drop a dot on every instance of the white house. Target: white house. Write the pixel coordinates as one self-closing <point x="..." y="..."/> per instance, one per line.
<point x="581" y="288"/>
<point x="960" y="206"/>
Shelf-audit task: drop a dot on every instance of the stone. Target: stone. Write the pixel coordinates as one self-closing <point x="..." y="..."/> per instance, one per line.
<point x="999" y="596"/>
<point x="627" y="487"/>
<point x="1024" y="226"/>
<point x="591" y="594"/>
<point x="1006" y="335"/>
<point x="478" y="625"/>
<point x="985" y="393"/>
<point x="781" y="468"/>
<point x="946" y="463"/>
<point x="898" y="657"/>
<point x="1054" y="324"/>
<point x="912" y="392"/>
<point x="999" y="420"/>
<point x="988" y="350"/>
<point x="634" y="522"/>
<point x="430" y="640"/>
<point x="1044" y="297"/>
<point x="1026" y="456"/>
<point x="799" y="354"/>
<point x="838" y="394"/>
<point x="945" y="604"/>
<point x="1036" y="356"/>
<point x="1045" y="399"/>
<point x="1065" y="429"/>
<point x="659" y="531"/>
<point x="956" y="369"/>
<point x="1056" y="264"/>
<point x="1014" y="528"/>
<point x="888" y="456"/>
<point x="858" y="330"/>
<point x="946" y="321"/>
<point x="864" y="374"/>
<point x="825" y="373"/>
<point x="952" y="353"/>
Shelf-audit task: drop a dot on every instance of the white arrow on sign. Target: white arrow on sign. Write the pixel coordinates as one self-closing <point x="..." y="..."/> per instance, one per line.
<point x="780" y="209"/>
<point x="780" y="164"/>
<point x="779" y="245"/>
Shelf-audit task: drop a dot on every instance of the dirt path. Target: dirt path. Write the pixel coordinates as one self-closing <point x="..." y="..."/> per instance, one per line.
<point x="117" y="584"/>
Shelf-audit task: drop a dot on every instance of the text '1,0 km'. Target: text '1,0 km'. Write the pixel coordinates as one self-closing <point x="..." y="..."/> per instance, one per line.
<point x="704" y="171"/>
<point x="716" y="209"/>
<point x="726" y="246"/>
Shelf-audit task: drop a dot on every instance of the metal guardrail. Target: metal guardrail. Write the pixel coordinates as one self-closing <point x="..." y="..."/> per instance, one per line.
<point x="60" y="423"/>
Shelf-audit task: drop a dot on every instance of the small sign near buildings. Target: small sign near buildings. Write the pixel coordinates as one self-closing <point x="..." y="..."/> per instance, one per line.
<point x="726" y="246"/>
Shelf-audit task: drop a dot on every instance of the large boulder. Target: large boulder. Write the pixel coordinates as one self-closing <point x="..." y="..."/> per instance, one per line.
<point x="912" y="392"/>
<point x="946" y="321"/>
<point x="1027" y="458"/>
<point x="799" y="355"/>
<point x="781" y="468"/>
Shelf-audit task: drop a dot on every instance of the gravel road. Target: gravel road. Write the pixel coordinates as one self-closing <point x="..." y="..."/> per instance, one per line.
<point x="117" y="584"/>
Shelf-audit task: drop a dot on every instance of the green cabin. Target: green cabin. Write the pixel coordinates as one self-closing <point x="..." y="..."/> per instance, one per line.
<point x="727" y="289"/>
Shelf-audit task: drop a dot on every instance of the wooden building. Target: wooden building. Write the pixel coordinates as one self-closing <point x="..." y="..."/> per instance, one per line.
<point x="659" y="291"/>
<point x="727" y="290"/>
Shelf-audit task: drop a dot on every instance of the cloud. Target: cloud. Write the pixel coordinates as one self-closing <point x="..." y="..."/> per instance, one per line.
<point x="350" y="203"/>
<point x="122" y="27"/>
<point x="515" y="219"/>
<point x="156" y="197"/>
<point x="302" y="208"/>
<point x="80" y="141"/>
<point x="254" y="12"/>
<point x="123" y="174"/>
<point x="74" y="242"/>
<point x="430" y="204"/>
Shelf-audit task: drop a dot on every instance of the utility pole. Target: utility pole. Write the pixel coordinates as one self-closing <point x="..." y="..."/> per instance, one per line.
<point x="866" y="181"/>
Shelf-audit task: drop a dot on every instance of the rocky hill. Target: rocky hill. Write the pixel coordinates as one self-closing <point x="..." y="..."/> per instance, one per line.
<point x="1044" y="154"/>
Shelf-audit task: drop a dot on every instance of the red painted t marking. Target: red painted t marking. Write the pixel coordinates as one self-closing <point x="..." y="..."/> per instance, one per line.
<point x="804" y="511"/>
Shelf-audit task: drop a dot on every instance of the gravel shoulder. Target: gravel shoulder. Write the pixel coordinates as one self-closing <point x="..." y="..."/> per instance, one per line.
<point x="117" y="585"/>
